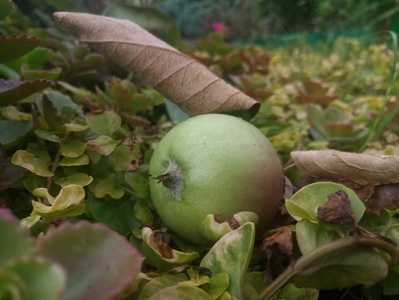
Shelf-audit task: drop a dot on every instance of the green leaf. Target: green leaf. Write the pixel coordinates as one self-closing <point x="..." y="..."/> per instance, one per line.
<point x="30" y="221"/>
<point x="52" y="74"/>
<point x="13" y="91"/>
<point x="37" y="58"/>
<point x="13" y="133"/>
<point x="212" y="230"/>
<point x="138" y="183"/>
<point x="310" y="235"/>
<point x="161" y="256"/>
<point x="8" y="73"/>
<point x="6" y="6"/>
<point x="105" y="124"/>
<point x="375" y="223"/>
<point x="18" y="240"/>
<point x="183" y="292"/>
<point x="48" y="136"/>
<point x="140" y="103"/>
<point x="143" y="213"/>
<point x="218" y="284"/>
<point x="33" y="181"/>
<point x="158" y="284"/>
<point x="13" y="46"/>
<point x="64" y="104"/>
<point x="256" y="280"/>
<point x="291" y="292"/>
<point x="72" y="127"/>
<point x="69" y="202"/>
<point x="195" y="278"/>
<point x="78" y="179"/>
<point x="125" y="159"/>
<point x="103" y="145"/>
<point x="73" y="148"/>
<point x="315" y="117"/>
<point x="231" y="254"/>
<point x="117" y="214"/>
<point x="392" y="232"/>
<point x="108" y="186"/>
<point x="390" y="283"/>
<point x="32" y="163"/>
<point x="304" y="203"/>
<point x="11" y="113"/>
<point x="174" y="112"/>
<point x="82" y="160"/>
<point x="101" y="264"/>
<point x="119" y="94"/>
<point x="358" y="265"/>
<point x="41" y="279"/>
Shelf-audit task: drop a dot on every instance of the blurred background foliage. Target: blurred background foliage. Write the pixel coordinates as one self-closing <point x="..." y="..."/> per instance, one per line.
<point x="246" y="19"/>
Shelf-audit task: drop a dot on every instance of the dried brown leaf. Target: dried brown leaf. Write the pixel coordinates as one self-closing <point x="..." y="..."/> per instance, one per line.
<point x="278" y="248"/>
<point x="360" y="168"/>
<point x="337" y="210"/>
<point x="159" y="244"/>
<point x="385" y="196"/>
<point x="180" y="78"/>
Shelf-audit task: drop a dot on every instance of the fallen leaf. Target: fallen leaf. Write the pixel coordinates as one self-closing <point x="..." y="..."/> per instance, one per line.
<point x="180" y="78"/>
<point x="385" y="196"/>
<point x="360" y="168"/>
<point x="278" y="248"/>
<point x="337" y="210"/>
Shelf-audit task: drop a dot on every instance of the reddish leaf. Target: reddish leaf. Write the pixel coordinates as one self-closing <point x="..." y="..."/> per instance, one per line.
<point x="13" y="46"/>
<point x="134" y="120"/>
<point x="342" y="129"/>
<point x="50" y="114"/>
<point x="314" y="92"/>
<point x="101" y="264"/>
<point x="13" y="91"/>
<point x="9" y="173"/>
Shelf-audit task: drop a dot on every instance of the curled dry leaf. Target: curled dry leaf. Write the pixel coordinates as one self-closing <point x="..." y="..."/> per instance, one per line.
<point x="180" y="78"/>
<point x="337" y="210"/>
<point x="362" y="169"/>
<point x="385" y="196"/>
<point x="278" y="248"/>
<point x="160" y="245"/>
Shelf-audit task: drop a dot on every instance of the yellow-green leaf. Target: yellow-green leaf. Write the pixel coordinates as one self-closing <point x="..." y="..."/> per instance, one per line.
<point x="32" y="163"/>
<point x="68" y="203"/>
<point x="75" y="161"/>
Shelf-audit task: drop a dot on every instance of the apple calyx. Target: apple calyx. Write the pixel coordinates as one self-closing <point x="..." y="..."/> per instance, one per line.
<point x="172" y="179"/>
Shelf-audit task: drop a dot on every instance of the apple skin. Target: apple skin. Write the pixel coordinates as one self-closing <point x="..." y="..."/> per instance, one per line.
<point x="221" y="165"/>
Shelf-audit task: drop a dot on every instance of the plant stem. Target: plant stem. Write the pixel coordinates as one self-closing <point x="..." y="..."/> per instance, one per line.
<point x="56" y="160"/>
<point x="307" y="264"/>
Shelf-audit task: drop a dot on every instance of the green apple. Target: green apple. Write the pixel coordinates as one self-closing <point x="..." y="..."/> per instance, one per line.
<point x="214" y="164"/>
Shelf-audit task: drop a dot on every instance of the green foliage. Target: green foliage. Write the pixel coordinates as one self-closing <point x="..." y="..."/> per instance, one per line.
<point x="50" y="269"/>
<point x="77" y="136"/>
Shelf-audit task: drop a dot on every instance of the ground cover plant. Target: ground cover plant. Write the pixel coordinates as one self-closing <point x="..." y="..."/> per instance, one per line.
<point x="78" y="133"/>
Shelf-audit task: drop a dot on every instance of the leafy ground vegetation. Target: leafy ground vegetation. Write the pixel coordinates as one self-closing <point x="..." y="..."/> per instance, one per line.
<point x="77" y="133"/>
